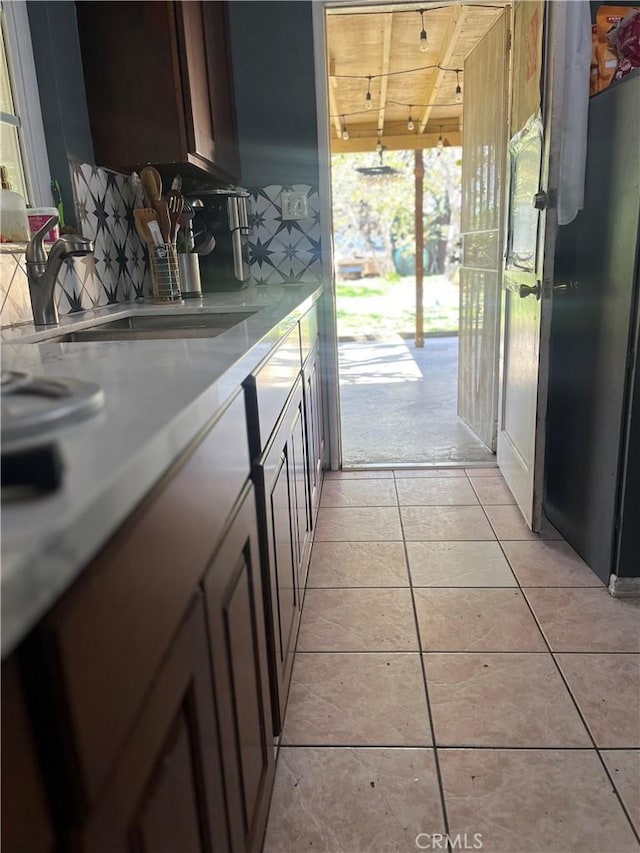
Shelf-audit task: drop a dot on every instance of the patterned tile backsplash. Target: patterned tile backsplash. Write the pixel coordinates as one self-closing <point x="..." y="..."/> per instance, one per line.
<point x="116" y="272"/>
<point x="104" y="207"/>
<point x="280" y="251"/>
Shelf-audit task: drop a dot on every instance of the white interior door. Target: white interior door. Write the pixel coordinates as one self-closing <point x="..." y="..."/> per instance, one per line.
<point x="532" y="226"/>
<point x="484" y="146"/>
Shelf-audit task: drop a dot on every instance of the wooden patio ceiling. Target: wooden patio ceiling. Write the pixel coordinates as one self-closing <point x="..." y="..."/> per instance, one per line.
<point x="383" y="42"/>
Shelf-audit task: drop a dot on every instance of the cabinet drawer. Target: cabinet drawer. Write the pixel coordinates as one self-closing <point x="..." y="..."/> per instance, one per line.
<point x="109" y="634"/>
<point x="308" y="332"/>
<point x="268" y="389"/>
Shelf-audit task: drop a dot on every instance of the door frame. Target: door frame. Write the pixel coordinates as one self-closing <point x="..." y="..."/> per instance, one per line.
<point x="554" y="84"/>
<point x="328" y="327"/>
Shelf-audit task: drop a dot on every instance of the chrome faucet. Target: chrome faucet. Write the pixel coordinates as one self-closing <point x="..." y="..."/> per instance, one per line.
<point x="42" y="271"/>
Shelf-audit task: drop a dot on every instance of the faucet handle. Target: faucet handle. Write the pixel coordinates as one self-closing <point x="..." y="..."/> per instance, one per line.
<point x="35" y="253"/>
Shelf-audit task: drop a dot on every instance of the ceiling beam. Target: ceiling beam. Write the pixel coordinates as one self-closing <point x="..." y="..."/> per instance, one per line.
<point x="386" y="59"/>
<point x="458" y="15"/>
<point x="404" y="142"/>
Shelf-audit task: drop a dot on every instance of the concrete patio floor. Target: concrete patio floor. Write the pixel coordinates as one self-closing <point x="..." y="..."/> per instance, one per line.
<point x="399" y="404"/>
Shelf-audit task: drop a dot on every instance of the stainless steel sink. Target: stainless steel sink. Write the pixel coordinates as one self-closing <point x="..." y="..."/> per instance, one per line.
<point x="145" y="327"/>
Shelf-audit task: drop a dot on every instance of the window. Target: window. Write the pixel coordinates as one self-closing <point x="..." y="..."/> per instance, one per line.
<point x="22" y="144"/>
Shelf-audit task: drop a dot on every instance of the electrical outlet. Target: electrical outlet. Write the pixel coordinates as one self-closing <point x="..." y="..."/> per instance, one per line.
<point x="294" y="205"/>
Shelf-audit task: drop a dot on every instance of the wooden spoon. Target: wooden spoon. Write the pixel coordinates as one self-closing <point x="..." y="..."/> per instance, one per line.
<point x="152" y="183"/>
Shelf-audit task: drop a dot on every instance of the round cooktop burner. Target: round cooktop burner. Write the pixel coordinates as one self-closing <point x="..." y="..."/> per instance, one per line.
<point x="31" y="405"/>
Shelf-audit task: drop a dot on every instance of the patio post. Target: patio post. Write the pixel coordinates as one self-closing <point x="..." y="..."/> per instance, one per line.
<point x="419" y="235"/>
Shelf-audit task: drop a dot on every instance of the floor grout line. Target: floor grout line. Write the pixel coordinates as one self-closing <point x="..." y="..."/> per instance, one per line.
<point x="451" y="652"/>
<point x="466" y="746"/>
<point x="436" y="759"/>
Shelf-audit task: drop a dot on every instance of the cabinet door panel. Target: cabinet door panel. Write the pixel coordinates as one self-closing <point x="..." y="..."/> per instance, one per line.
<point x="195" y="79"/>
<point x="233" y="590"/>
<point x="171" y="756"/>
<point x="314" y="424"/>
<point x="168" y="819"/>
<point x="282" y="557"/>
<point x="131" y="73"/>
<point x="301" y="497"/>
<point x="221" y="87"/>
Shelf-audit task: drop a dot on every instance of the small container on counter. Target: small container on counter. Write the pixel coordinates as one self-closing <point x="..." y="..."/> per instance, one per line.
<point x="189" y="265"/>
<point x="37" y="217"/>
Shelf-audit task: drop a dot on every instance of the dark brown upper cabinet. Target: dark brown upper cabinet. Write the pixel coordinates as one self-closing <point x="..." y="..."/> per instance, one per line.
<point x="159" y="87"/>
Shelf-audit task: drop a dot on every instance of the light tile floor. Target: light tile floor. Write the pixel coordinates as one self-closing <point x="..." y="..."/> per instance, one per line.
<point x="455" y="674"/>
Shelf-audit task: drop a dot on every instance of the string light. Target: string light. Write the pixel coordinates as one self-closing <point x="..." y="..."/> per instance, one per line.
<point x="368" y="103"/>
<point x="410" y="125"/>
<point x="440" y="141"/>
<point x="458" y="88"/>
<point x="396" y="73"/>
<point x="345" y="131"/>
<point x="423" y="33"/>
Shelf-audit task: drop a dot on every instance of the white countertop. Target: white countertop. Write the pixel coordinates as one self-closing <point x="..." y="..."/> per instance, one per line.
<point x="159" y="395"/>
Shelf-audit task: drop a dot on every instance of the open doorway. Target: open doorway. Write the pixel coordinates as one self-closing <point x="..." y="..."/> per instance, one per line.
<point x="414" y="355"/>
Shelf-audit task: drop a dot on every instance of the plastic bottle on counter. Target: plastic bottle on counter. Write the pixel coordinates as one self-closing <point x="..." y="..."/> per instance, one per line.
<point x="14" y="225"/>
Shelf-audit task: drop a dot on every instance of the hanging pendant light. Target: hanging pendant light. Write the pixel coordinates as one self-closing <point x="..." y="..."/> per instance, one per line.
<point x="345" y="131"/>
<point x="458" y="87"/>
<point x="368" y="103"/>
<point x="410" y="124"/>
<point x="423" y="33"/>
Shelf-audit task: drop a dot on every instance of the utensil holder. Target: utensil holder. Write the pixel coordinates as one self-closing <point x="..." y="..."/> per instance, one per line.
<point x="165" y="275"/>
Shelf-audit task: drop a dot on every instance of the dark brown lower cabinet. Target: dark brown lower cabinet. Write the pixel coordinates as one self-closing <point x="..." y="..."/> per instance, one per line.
<point x="235" y="613"/>
<point x="166" y="791"/>
<point x="280" y="477"/>
<point x="26" y="821"/>
<point x="155" y="686"/>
